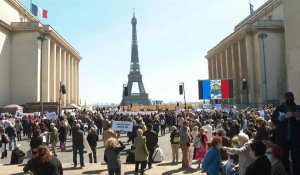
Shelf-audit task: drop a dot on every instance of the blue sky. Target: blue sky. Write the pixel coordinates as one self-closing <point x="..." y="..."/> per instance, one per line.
<point x="173" y="39"/>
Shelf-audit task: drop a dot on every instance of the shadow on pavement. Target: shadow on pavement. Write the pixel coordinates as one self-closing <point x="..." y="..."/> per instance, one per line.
<point x="94" y="172"/>
<point x="183" y="171"/>
<point x="129" y="172"/>
<point x="168" y="164"/>
<point x="17" y="173"/>
<point x="71" y="168"/>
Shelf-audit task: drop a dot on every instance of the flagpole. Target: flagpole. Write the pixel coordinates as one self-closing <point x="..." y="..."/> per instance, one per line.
<point x="30" y="6"/>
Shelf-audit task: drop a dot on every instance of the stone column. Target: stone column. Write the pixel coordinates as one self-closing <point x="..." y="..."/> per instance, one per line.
<point x="75" y="81"/>
<point x="72" y="80"/>
<point x="213" y="68"/>
<point x="240" y="70"/>
<point x="68" y="79"/>
<point x="227" y="63"/>
<point x="209" y="68"/>
<point x="237" y="85"/>
<point x="250" y="68"/>
<point x="224" y="65"/>
<point x="46" y="70"/>
<point x="262" y="80"/>
<point x="221" y="65"/>
<point x="78" y="97"/>
<point x="217" y="67"/>
<point x="53" y="73"/>
<point x="58" y="72"/>
<point x="64" y="76"/>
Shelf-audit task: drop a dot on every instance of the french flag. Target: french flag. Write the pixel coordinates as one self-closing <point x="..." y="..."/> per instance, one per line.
<point x="37" y="11"/>
<point x="215" y="89"/>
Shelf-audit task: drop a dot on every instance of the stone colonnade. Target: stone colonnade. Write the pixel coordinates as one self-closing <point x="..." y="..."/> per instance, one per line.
<point x="231" y="62"/>
<point x="59" y="66"/>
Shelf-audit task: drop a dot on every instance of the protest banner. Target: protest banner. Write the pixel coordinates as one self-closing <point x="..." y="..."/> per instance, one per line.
<point x="207" y="106"/>
<point x="262" y="113"/>
<point x="122" y="126"/>
<point x="218" y="107"/>
<point x="51" y="116"/>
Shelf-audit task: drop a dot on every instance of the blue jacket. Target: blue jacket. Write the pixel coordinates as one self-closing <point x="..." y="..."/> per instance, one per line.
<point x="212" y="160"/>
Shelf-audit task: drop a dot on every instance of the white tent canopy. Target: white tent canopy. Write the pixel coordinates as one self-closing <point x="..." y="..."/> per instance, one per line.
<point x="71" y="106"/>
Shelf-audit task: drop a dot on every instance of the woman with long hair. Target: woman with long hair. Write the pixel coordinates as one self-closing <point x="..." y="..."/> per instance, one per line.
<point x="44" y="163"/>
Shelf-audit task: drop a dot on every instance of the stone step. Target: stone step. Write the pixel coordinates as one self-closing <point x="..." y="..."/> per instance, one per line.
<point x="163" y="168"/>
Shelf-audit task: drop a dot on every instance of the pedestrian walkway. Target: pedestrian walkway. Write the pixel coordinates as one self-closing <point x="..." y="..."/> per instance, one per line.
<point x="164" y="168"/>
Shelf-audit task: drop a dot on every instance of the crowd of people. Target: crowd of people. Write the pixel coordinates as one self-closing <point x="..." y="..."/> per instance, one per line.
<point x="232" y="143"/>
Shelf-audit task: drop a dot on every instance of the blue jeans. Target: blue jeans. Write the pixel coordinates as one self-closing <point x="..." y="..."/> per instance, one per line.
<point x="80" y="155"/>
<point x="116" y="171"/>
<point x="12" y="139"/>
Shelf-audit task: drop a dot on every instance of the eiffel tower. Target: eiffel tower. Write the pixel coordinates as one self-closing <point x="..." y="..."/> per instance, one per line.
<point x="135" y="75"/>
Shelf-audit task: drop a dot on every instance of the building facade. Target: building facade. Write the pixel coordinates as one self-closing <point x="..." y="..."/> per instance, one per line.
<point x="264" y="50"/>
<point x="22" y="54"/>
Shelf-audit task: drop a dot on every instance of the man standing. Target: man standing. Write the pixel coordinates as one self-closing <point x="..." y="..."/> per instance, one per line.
<point x="99" y="122"/>
<point x="53" y="138"/>
<point x="286" y="118"/>
<point x="77" y="140"/>
<point x="184" y="134"/>
<point x="151" y="142"/>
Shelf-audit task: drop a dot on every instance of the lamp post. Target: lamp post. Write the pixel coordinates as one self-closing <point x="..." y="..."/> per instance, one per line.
<point x="245" y="87"/>
<point x="125" y="93"/>
<point x="41" y="38"/>
<point x="262" y="36"/>
<point x="62" y="90"/>
<point x="182" y="86"/>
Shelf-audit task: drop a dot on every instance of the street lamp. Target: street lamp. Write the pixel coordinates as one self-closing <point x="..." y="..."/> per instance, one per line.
<point x="245" y="87"/>
<point x="262" y="36"/>
<point x="62" y="90"/>
<point x="125" y="94"/>
<point x="41" y="38"/>
<point x="182" y="90"/>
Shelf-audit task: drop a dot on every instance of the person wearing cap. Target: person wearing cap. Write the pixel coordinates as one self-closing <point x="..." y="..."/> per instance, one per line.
<point x="17" y="155"/>
<point x="287" y="130"/>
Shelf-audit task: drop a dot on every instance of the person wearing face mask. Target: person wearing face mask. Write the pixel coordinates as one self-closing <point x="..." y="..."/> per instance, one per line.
<point x="275" y="154"/>
<point x="212" y="160"/>
<point x="243" y="151"/>
<point x="261" y="165"/>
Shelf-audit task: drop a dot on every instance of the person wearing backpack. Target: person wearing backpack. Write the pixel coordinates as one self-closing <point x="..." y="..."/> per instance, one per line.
<point x="174" y="139"/>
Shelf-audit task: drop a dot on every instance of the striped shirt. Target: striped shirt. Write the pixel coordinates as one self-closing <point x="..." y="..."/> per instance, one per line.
<point x="277" y="167"/>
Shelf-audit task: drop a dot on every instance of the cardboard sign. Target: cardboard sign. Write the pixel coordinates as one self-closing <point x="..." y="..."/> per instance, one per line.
<point x="51" y="116"/>
<point x="262" y="113"/>
<point x="122" y="126"/>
